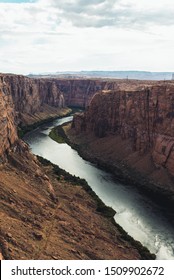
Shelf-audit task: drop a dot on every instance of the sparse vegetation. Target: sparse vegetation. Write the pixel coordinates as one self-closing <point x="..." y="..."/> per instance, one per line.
<point x="23" y="129"/>
<point x="56" y="136"/>
<point x="101" y="207"/>
<point x="104" y="210"/>
<point x="145" y="253"/>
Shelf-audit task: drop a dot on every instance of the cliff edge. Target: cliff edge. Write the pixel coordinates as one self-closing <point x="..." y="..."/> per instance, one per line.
<point x="134" y="128"/>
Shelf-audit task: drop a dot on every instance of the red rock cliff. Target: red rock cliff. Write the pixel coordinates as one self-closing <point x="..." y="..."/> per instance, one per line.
<point x="8" y="133"/>
<point x="20" y="97"/>
<point x="78" y="92"/>
<point x="23" y="97"/>
<point x="145" y="117"/>
<point x="30" y="94"/>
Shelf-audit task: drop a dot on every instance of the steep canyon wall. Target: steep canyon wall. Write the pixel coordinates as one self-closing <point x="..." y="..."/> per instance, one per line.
<point x="22" y="97"/>
<point x="144" y="117"/>
<point x="8" y="132"/>
<point x="142" y="112"/>
<point x="78" y="92"/>
<point x="29" y="95"/>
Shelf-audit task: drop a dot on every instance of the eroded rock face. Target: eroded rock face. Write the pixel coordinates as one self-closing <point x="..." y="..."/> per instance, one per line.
<point x="145" y="117"/>
<point x="8" y="133"/>
<point x="21" y="96"/>
<point x="30" y="94"/>
<point x="78" y="92"/>
<point x="142" y="114"/>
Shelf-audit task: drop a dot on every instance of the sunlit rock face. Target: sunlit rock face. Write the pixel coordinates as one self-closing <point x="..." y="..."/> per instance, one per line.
<point x="145" y="117"/>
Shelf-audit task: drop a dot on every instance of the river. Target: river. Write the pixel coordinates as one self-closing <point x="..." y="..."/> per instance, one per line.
<point x="138" y="215"/>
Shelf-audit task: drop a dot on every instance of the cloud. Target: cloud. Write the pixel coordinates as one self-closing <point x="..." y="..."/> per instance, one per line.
<point x="51" y="15"/>
<point x="100" y="13"/>
<point x="28" y="18"/>
<point x="52" y="35"/>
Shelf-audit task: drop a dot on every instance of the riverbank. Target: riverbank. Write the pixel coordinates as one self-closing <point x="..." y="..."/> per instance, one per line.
<point x="48" y="113"/>
<point x="96" y="151"/>
<point x="49" y="214"/>
<point x="100" y="207"/>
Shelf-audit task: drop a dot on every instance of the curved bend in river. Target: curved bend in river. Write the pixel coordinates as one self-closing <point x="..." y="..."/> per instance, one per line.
<point x="141" y="218"/>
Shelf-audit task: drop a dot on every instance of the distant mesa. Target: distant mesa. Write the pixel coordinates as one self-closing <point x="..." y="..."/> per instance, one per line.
<point x="137" y="75"/>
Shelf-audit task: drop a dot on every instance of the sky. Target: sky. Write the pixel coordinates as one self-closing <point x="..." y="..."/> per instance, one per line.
<point x="38" y="36"/>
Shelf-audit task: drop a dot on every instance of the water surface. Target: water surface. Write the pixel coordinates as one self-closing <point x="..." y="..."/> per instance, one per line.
<point x="139" y="216"/>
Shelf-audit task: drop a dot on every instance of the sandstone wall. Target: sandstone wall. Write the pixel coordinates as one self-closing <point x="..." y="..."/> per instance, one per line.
<point x="145" y="117"/>
<point x="78" y="92"/>
<point x="21" y="96"/>
<point x="30" y="94"/>
<point x="8" y="133"/>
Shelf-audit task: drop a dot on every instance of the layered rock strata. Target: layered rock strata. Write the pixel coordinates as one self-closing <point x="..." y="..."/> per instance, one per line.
<point x="30" y="95"/>
<point x="144" y="118"/>
<point x="139" y="111"/>
<point x="8" y="131"/>
<point x="24" y="101"/>
<point x="78" y="92"/>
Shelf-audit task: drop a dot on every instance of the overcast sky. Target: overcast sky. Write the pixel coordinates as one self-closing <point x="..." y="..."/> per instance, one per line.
<point x="61" y="35"/>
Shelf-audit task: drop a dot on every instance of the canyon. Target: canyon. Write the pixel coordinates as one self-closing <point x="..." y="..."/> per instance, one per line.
<point x="25" y="101"/>
<point x="132" y="127"/>
<point x="43" y="215"/>
<point x="125" y="121"/>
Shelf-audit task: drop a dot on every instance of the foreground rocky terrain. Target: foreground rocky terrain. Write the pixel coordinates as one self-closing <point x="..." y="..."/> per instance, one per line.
<point x="46" y="216"/>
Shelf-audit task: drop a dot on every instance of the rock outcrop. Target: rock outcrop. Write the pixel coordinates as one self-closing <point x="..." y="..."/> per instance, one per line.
<point x="144" y="117"/>
<point x="8" y="130"/>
